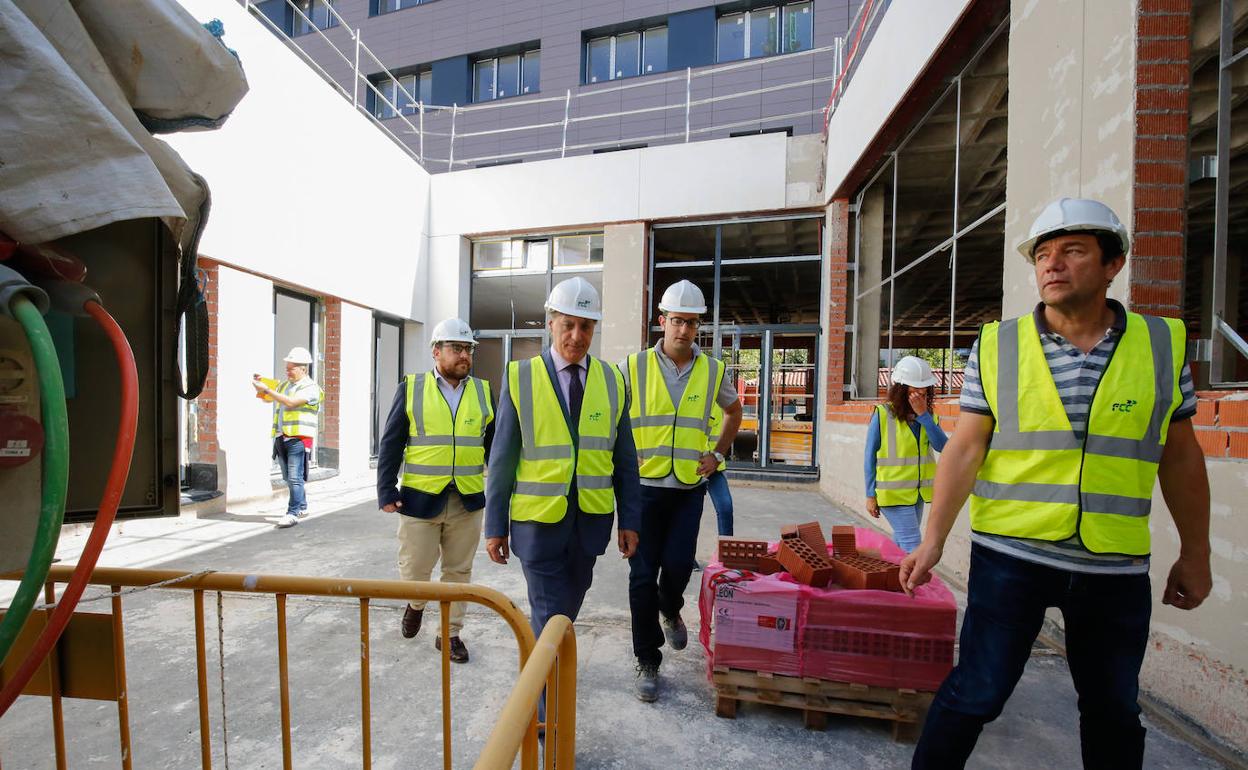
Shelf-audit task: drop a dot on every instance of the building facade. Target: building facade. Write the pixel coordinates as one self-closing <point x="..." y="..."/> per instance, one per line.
<point x="486" y="82"/>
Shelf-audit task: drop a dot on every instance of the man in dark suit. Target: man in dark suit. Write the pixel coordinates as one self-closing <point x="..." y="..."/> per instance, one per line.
<point x="550" y="425"/>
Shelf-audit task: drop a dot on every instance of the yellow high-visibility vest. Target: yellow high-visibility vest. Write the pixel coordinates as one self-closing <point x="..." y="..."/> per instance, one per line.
<point x="1039" y="480"/>
<point x="441" y="447"/>
<point x="716" y="429"/>
<point x="904" y="467"/>
<point x="299" y="421"/>
<point x="548" y="457"/>
<point x="671" y="438"/>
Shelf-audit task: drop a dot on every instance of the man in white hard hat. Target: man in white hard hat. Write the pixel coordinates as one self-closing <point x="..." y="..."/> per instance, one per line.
<point x="673" y="388"/>
<point x="562" y="462"/>
<point x="296" y="416"/>
<point x="1069" y="415"/>
<point x="435" y="442"/>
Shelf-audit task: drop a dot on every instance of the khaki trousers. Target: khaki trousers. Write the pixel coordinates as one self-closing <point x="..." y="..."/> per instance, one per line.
<point x="453" y="535"/>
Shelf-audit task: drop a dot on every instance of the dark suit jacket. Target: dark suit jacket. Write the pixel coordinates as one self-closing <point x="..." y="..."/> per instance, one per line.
<point x="534" y="541"/>
<point x="390" y="448"/>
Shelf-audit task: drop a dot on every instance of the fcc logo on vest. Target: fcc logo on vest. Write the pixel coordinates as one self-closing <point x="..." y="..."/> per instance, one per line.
<point x="1124" y="406"/>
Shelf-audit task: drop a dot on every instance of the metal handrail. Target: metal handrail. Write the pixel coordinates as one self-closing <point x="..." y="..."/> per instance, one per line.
<point x="867" y="14"/>
<point x="561" y="679"/>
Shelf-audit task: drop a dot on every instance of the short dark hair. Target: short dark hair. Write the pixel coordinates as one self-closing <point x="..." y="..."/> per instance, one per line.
<point x="1111" y="247"/>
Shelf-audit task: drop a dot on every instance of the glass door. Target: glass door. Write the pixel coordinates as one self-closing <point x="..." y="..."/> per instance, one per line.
<point x="496" y="349"/>
<point x="742" y="357"/>
<point x="791" y="401"/>
<point x="387" y="371"/>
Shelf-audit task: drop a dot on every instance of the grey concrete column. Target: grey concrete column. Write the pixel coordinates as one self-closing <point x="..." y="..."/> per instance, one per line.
<point x="872" y="246"/>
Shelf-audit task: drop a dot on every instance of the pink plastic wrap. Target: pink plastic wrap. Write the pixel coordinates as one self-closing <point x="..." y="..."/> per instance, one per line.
<point x="869" y="637"/>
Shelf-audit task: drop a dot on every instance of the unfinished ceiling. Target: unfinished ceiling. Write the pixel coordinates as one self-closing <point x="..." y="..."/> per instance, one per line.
<point x="952" y="149"/>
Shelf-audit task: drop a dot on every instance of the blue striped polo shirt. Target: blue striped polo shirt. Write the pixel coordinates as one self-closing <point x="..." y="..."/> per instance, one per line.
<point x="1076" y="375"/>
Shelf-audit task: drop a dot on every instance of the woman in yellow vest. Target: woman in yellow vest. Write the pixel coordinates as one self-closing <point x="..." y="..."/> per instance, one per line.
<point x="898" y="463"/>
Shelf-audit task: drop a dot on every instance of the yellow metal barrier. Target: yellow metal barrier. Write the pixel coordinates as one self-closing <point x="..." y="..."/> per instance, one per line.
<point x="552" y="662"/>
<point x="553" y="666"/>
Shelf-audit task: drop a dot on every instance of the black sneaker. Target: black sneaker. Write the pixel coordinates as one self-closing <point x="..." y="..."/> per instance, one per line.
<point x="675" y="632"/>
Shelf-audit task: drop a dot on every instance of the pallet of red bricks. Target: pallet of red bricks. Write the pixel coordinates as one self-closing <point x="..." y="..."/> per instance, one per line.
<point x="804" y="607"/>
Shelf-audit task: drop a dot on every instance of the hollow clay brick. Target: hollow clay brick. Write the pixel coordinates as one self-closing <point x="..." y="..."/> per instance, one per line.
<point x="863" y="572"/>
<point x="788" y="531"/>
<point x="748" y="555"/>
<point x="804" y="563"/>
<point x="812" y="535"/>
<point x="769" y="565"/>
<point x="844" y="541"/>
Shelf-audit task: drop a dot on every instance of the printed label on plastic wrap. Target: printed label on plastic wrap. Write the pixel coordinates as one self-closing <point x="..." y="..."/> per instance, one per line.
<point x="747" y="617"/>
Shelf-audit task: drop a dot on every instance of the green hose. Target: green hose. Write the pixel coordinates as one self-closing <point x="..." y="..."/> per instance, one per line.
<point x="55" y="470"/>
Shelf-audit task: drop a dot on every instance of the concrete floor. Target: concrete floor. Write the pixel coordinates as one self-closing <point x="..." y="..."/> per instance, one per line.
<point x="346" y="535"/>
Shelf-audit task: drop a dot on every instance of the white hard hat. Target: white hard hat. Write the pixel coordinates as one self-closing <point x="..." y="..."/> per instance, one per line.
<point x="913" y="371"/>
<point x="683" y="297"/>
<point x="1076" y="215"/>
<point x="576" y="297"/>
<point x="453" y="330"/>
<point x="299" y="356"/>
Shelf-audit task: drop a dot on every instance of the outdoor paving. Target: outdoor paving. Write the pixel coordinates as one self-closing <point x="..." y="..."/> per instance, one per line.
<point x="347" y="536"/>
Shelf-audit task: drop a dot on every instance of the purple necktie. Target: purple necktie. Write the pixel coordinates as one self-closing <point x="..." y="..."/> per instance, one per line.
<point x="576" y="393"/>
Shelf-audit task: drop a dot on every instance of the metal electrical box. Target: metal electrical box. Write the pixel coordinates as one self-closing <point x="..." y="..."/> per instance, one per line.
<point x="133" y="267"/>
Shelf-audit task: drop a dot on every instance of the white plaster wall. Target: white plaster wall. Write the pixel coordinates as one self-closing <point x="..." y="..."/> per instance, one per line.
<point x="416" y="356"/>
<point x="907" y="38"/>
<point x="449" y="283"/>
<point x="1072" y="121"/>
<point x="355" y="378"/>
<point x="244" y="348"/>
<point x="703" y="178"/>
<point x="624" y="271"/>
<point x="305" y="189"/>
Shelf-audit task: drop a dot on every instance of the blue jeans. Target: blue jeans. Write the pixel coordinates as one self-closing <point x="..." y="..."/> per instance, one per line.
<point x="905" y="520"/>
<point x="659" y="572"/>
<point x="292" y="458"/>
<point x="1106" y="620"/>
<point x="721" y="498"/>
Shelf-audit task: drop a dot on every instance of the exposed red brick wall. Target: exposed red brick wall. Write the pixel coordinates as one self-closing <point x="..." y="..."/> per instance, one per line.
<point x="1221" y="424"/>
<point x="838" y="283"/>
<point x="331" y="376"/>
<point x="204" y="448"/>
<point x="860" y="411"/>
<point x="1163" y="83"/>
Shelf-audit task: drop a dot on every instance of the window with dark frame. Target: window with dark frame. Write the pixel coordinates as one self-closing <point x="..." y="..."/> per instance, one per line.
<point x="625" y="54"/>
<point x="766" y="31"/>
<point x="400" y="95"/>
<point x="312" y="15"/>
<point x="389" y="6"/>
<point x="507" y="75"/>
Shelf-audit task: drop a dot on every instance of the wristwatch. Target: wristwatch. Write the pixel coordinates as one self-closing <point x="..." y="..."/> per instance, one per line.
<point x="719" y="458"/>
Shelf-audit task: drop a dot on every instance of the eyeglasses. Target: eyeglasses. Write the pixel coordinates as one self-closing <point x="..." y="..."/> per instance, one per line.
<point x="684" y="323"/>
<point x="457" y="348"/>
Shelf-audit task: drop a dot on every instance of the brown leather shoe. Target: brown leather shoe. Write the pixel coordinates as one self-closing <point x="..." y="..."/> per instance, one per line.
<point x="459" y="653"/>
<point x="411" y="621"/>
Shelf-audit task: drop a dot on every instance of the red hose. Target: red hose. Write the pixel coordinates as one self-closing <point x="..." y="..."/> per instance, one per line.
<point x="853" y="52"/>
<point x="109" y="503"/>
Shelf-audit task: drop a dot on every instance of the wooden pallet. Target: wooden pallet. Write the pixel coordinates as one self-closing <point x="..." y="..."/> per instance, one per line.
<point x="816" y="698"/>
